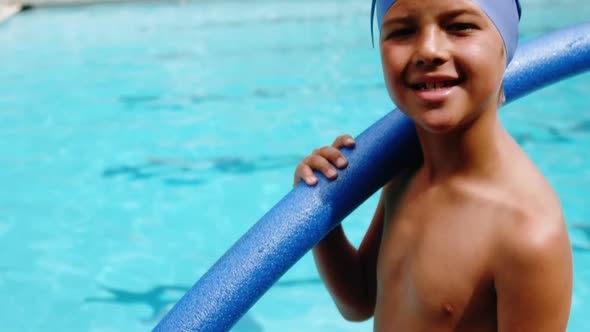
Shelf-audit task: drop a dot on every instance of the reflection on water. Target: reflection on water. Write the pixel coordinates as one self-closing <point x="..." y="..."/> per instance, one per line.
<point x="161" y="299"/>
<point x="582" y="126"/>
<point x="585" y="229"/>
<point x="190" y="172"/>
<point x="551" y="134"/>
<point x="141" y="102"/>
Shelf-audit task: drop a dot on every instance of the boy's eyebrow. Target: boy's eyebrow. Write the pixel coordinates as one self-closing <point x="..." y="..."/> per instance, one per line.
<point x="399" y="20"/>
<point x="458" y="12"/>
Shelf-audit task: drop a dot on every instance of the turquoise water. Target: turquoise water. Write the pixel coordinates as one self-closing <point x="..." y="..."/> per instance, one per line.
<point x="137" y="142"/>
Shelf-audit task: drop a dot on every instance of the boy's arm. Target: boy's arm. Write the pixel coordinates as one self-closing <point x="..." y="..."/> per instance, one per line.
<point x="533" y="278"/>
<point x="348" y="273"/>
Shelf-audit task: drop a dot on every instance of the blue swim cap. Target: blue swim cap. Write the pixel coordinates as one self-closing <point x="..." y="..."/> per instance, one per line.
<point x="505" y="14"/>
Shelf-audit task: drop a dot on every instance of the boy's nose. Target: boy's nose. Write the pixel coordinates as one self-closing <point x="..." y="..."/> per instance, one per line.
<point x="431" y="48"/>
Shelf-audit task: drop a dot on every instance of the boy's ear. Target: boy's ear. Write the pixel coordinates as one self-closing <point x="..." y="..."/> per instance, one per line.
<point x="501" y="96"/>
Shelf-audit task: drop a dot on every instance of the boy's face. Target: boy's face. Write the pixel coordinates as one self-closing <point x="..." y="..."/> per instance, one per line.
<point x="443" y="61"/>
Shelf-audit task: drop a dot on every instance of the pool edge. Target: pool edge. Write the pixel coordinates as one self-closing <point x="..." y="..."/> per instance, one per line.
<point x="7" y="10"/>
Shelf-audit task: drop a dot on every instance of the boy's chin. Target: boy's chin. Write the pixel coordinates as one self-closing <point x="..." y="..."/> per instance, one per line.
<point x="437" y="123"/>
<point x="437" y="129"/>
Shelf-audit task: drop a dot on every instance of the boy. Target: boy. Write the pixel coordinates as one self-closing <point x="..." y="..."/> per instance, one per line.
<point x="474" y="239"/>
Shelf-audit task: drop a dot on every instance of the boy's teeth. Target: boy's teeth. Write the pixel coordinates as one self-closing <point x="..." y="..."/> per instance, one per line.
<point x="434" y="85"/>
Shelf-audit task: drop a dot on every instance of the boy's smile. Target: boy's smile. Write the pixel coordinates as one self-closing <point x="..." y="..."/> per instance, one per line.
<point x="443" y="61"/>
<point x="433" y="89"/>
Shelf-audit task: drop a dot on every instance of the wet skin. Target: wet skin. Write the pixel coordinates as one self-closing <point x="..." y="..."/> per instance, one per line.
<point x="472" y="240"/>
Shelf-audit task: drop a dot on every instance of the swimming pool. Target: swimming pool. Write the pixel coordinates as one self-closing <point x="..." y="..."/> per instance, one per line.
<point x="139" y="141"/>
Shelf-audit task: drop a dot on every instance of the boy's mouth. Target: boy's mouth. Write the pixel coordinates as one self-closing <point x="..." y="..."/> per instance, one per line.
<point x="435" y="84"/>
<point x="435" y="89"/>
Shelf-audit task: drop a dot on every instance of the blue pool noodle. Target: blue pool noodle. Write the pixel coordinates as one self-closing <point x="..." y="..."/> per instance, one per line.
<point x="304" y="216"/>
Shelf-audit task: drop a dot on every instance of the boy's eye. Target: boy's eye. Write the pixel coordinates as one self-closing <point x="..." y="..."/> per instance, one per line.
<point x="400" y="33"/>
<point x="461" y="27"/>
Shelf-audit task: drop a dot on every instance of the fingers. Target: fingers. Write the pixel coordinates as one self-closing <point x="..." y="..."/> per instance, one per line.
<point x="325" y="160"/>
<point x="305" y="169"/>
<point x="343" y="141"/>
<point x="331" y="156"/>
<point x="305" y="173"/>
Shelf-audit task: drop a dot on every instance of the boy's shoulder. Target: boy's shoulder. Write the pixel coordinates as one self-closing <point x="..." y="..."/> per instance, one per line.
<point x="527" y="213"/>
<point x="533" y="225"/>
<point x="532" y="257"/>
<point x="531" y="228"/>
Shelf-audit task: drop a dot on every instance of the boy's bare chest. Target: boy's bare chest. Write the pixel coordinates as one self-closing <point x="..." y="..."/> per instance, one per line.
<point x="434" y="263"/>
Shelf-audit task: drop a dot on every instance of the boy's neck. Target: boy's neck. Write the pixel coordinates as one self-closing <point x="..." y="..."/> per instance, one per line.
<point x="474" y="150"/>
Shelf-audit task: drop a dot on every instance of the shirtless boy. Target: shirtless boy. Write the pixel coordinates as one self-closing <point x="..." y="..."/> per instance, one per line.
<point x="473" y="239"/>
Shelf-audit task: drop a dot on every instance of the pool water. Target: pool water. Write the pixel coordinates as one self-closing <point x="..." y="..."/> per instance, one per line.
<point x="138" y="142"/>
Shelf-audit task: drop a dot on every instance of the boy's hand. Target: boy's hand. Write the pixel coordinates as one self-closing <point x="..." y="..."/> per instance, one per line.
<point x="325" y="160"/>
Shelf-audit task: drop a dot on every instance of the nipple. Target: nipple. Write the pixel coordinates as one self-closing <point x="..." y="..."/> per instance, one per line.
<point x="448" y="309"/>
